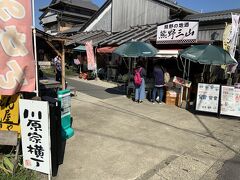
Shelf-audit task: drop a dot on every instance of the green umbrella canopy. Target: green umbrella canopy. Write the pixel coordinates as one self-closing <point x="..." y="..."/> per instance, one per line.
<point x="207" y="54"/>
<point x="80" y="48"/>
<point x="136" y="49"/>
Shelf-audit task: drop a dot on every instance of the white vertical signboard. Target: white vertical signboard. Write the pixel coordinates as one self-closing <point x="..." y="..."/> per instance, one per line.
<point x="230" y="101"/>
<point x="208" y="97"/>
<point x="35" y="132"/>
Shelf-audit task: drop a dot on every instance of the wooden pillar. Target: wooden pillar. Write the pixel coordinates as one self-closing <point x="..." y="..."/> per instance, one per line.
<point x="63" y="65"/>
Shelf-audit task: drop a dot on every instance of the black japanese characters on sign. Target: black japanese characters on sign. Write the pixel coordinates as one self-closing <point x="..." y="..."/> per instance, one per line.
<point x="35" y="132"/>
<point x="9" y="113"/>
<point x="177" y="31"/>
<point x="35" y="136"/>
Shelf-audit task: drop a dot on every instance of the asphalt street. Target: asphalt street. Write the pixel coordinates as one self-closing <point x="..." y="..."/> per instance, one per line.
<point x="123" y="140"/>
<point x="96" y="91"/>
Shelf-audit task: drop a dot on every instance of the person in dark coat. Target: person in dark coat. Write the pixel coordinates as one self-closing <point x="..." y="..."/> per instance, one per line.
<point x="159" y="83"/>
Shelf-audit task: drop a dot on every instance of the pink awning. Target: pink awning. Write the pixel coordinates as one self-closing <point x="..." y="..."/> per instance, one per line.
<point x="106" y="50"/>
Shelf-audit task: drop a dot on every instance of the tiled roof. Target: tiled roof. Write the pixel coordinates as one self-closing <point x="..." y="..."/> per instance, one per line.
<point x="78" y="3"/>
<point x="212" y="16"/>
<point x="136" y="33"/>
<point x="82" y="3"/>
<point x="72" y="30"/>
<point x="83" y="37"/>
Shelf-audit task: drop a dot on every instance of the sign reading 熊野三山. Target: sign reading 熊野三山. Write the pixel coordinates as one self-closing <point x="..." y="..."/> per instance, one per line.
<point x="17" y="72"/>
<point x="9" y="113"/>
<point x="35" y="132"/>
<point x="177" y="32"/>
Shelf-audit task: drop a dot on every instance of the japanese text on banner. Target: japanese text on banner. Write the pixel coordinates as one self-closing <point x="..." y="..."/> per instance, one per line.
<point x="17" y="72"/>
<point x="9" y="113"/>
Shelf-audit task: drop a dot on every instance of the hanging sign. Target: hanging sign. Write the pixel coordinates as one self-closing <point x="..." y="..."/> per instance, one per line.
<point x="177" y="32"/>
<point x="208" y="97"/>
<point x="9" y="113"/>
<point x="230" y="101"/>
<point x="35" y="131"/>
<point x="90" y="56"/>
<point x="226" y="37"/>
<point x="17" y="72"/>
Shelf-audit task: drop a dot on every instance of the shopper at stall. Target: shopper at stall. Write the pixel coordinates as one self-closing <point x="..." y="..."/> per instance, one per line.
<point x="139" y="82"/>
<point x="159" y="83"/>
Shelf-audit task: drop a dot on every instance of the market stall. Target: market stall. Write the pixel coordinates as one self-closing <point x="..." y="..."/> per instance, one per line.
<point x="208" y="95"/>
<point x="132" y="51"/>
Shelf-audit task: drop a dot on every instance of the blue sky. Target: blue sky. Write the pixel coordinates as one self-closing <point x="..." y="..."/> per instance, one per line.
<point x="197" y="5"/>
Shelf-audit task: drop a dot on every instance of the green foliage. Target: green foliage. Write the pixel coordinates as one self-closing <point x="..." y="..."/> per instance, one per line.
<point x="71" y="71"/>
<point x="7" y="166"/>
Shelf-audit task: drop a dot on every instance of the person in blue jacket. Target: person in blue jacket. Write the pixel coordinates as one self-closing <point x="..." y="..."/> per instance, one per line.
<point x="159" y="84"/>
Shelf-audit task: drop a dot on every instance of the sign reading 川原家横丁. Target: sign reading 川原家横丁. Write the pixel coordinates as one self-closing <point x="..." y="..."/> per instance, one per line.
<point x="177" y="32"/>
<point x="35" y="132"/>
<point x="17" y="72"/>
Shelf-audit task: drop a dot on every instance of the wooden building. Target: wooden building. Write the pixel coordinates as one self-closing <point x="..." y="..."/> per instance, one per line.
<point x="63" y="15"/>
<point x="212" y="24"/>
<point x="118" y="15"/>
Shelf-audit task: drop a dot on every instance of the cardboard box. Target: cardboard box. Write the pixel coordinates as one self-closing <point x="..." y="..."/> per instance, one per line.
<point x="172" y="98"/>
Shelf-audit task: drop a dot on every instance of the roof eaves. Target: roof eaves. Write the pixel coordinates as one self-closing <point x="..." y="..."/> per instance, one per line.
<point x="97" y="13"/>
<point x="216" y="15"/>
<point x="85" y="5"/>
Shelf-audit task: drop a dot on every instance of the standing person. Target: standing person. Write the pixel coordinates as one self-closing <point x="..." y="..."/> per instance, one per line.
<point x="58" y="68"/>
<point x="159" y="83"/>
<point x="139" y="82"/>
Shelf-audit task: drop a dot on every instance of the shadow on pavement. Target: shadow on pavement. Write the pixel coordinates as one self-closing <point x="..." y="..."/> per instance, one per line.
<point x="230" y="169"/>
<point x="120" y="90"/>
<point x="210" y="133"/>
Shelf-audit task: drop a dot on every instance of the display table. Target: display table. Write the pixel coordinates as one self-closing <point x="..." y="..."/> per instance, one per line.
<point x="49" y="87"/>
<point x="49" y="83"/>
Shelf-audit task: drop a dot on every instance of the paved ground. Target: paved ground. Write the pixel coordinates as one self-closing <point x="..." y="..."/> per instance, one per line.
<point x="95" y="90"/>
<point x="116" y="139"/>
<point x="230" y="169"/>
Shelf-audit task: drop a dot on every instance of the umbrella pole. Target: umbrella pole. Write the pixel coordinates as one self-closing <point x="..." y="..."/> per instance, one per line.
<point x="184" y="74"/>
<point x="129" y="71"/>
<point x="189" y="65"/>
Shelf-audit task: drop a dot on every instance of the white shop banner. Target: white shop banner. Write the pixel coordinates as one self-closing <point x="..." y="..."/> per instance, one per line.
<point x="177" y="32"/>
<point x="208" y="97"/>
<point x="35" y="132"/>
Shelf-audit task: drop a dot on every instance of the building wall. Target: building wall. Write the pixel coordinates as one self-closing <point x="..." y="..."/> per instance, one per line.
<point x="128" y="13"/>
<point x="103" y="23"/>
<point x="211" y="32"/>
